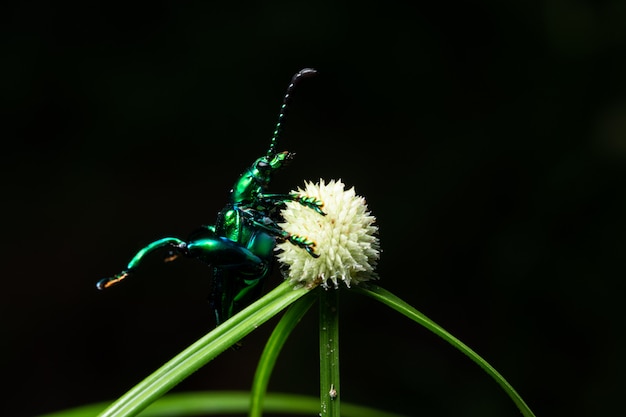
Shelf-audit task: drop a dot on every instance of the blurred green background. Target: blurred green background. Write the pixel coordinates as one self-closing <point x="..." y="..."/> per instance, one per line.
<point x="488" y="137"/>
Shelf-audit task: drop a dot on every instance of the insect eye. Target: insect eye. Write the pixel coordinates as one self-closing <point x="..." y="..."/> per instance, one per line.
<point x="263" y="166"/>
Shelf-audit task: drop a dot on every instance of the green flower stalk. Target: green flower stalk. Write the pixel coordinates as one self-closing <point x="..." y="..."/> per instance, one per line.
<point x="345" y="238"/>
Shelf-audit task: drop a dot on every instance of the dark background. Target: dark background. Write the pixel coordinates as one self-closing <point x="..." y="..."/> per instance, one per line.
<point x="488" y="137"/>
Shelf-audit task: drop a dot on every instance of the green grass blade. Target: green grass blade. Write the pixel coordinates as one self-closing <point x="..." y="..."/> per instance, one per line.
<point x="228" y="402"/>
<point x="204" y="350"/>
<point x="399" y="305"/>
<point x="274" y="345"/>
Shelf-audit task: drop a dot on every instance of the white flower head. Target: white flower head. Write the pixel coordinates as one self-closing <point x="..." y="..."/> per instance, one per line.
<point x="345" y="238"/>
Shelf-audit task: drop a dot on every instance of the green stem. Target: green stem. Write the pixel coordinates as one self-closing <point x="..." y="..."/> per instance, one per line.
<point x="204" y="350"/>
<point x="329" y="352"/>
<point x="399" y="305"/>
<point x="274" y="345"/>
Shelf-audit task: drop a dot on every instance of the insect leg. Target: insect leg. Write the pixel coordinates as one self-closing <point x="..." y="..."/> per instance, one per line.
<point x="224" y="253"/>
<point x="237" y="273"/>
<point x="170" y="242"/>
<point x="270" y="227"/>
<point x="310" y="202"/>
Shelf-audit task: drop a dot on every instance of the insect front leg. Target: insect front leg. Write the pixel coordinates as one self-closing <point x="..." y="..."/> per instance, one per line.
<point x="266" y="224"/>
<point x="310" y="202"/>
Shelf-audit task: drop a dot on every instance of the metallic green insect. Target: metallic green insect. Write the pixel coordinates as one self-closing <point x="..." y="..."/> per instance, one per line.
<point x="240" y="246"/>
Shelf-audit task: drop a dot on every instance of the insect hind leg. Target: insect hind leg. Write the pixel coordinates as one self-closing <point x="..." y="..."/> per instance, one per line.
<point x="224" y="253"/>
<point x="170" y="242"/>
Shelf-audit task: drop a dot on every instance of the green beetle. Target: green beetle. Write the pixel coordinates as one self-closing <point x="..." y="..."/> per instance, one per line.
<point x="239" y="247"/>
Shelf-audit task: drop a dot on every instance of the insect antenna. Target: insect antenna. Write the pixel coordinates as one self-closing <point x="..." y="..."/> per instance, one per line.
<point x="303" y="73"/>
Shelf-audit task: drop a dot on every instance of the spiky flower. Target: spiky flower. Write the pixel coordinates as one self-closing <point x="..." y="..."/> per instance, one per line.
<point x="345" y="238"/>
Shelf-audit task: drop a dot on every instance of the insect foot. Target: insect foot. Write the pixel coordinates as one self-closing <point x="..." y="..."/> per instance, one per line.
<point x="310" y="202"/>
<point x="107" y="282"/>
<point x="304" y="243"/>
